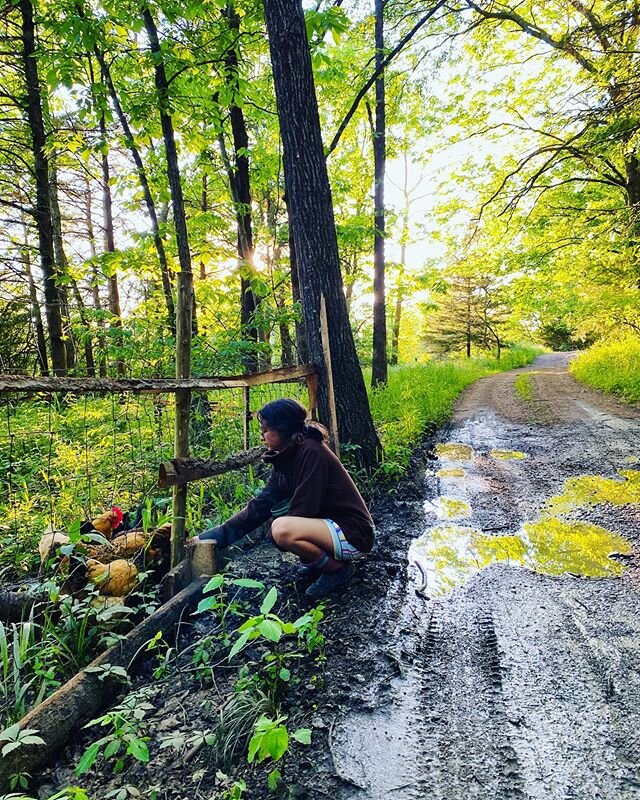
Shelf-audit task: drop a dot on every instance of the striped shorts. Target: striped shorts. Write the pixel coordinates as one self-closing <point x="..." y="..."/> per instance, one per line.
<point x="342" y="549"/>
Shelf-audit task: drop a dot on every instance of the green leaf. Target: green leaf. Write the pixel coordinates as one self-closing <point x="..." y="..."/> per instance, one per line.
<point x="9" y="747"/>
<point x="284" y="674"/>
<point x="138" y="749"/>
<point x="88" y="758"/>
<point x="269" y="601"/>
<point x="112" y="748"/>
<point x="207" y="603"/>
<point x="237" y="647"/>
<point x="215" y="583"/>
<point x="254" y="746"/>
<point x="248" y="583"/>
<point x="302" y="735"/>
<point x="273" y="779"/>
<point x="276" y="743"/>
<point x="270" y="630"/>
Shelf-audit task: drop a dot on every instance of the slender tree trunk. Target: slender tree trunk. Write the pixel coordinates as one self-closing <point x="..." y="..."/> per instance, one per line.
<point x="240" y="187"/>
<point x="95" y="282"/>
<point x="348" y="294"/>
<point x="146" y="190"/>
<point x="110" y="245"/>
<point x="86" y="338"/>
<point x="185" y="286"/>
<point x="36" y="316"/>
<point x="43" y="203"/>
<point x="62" y="265"/>
<point x="379" y="359"/>
<point x="314" y="232"/>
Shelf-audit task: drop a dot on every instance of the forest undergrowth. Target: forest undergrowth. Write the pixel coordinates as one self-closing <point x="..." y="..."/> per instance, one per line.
<point x="417" y="399"/>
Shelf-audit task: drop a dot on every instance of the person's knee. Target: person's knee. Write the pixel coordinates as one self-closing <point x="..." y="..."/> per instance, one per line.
<point x="282" y="531"/>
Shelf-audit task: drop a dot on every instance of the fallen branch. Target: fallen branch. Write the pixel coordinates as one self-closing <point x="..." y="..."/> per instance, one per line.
<point x="179" y="471"/>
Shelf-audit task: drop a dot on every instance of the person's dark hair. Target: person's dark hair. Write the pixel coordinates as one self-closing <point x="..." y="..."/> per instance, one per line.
<point x="289" y="418"/>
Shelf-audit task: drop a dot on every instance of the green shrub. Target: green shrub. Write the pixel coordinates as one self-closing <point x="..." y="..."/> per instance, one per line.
<point x="612" y="367"/>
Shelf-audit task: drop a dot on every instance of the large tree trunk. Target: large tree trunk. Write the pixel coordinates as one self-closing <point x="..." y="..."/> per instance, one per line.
<point x="314" y="232"/>
<point x="379" y="356"/>
<point x="185" y="286"/>
<point x="43" y="202"/>
<point x="301" y="335"/>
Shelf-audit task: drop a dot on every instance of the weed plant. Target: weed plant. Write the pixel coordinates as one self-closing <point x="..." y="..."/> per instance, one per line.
<point x="612" y="367"/>
<point x="419" y="397"/>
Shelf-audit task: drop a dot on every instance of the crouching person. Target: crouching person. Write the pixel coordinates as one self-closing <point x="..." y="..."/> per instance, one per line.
<point x="317" y="511"/>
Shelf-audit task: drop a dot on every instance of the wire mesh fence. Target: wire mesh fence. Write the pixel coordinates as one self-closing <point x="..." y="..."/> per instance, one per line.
<point x="65" y="457"/>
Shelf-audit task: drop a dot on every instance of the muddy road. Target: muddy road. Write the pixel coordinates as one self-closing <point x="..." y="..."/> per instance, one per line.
<point x="514" y="642"/>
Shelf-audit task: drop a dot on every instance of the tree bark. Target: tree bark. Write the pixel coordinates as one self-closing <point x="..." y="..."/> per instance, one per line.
<point x="110" y="245"/>
<point x="185" y="286"/>
<point x="95" y="286"/>
<point x="41" y="341"/>
<point x="62" y="264"/>
<point x="240" y="187"/>
<point x="146" y="190"/>
<point x="43" y="202"/>
<point x="301" y="335"/>
<point x="314" y="232"/>
<point x="379" y="355"/>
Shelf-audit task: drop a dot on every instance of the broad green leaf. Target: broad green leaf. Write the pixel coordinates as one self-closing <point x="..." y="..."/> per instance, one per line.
<point x="269" y="601"/>
<point x="215" y="583"/>
<point x="88" y="758"/>
<point x="242" y="641"/>
<point x="248" y="583"/>
<point x="270" y="630"/>
<point x="138" y="749"/>
<point x="276" y="742"/>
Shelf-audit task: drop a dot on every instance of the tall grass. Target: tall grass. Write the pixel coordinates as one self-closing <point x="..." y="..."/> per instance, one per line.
<point x="421" y="396"/>
<point x="612" y="367"/>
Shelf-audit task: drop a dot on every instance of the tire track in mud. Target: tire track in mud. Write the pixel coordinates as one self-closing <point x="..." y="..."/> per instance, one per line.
<point x="517" y="686"/>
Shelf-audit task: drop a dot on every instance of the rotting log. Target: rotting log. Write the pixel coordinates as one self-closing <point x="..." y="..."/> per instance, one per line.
<point x="24" y="383"/>
<point x="81" y="698"/>
<point x="179" y="471"/>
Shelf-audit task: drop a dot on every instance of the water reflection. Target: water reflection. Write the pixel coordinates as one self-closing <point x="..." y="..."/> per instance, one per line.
<point x="448" y="555"/>
<point x="452" y="508"/>
<point x="507" y="455"/>
<point x="588" y="490"/>
<point x="450" y="472"/>
<point x="454" y="451"/>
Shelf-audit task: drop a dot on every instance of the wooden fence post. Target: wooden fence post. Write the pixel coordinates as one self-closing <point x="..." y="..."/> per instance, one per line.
<point x="326" y="347"/>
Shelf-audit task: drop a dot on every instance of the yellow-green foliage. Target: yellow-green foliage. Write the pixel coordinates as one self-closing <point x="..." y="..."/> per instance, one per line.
<point x="423" y="395"/>
<point x="523" y="387"/>
<point x="611" y="367"/>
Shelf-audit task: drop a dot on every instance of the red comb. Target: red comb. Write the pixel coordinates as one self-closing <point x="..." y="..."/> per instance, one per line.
<point x="117" y="516"/>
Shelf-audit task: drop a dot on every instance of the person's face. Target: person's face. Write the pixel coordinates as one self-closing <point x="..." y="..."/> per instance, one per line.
<point x="271" y="438"/>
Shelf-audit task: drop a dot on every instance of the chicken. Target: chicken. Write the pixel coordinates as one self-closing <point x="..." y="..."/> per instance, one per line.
<point x="49" y="543"/>
<point x="152" y="545"/>
<point x="108" y="522"/>
<point x="116" y="579"/>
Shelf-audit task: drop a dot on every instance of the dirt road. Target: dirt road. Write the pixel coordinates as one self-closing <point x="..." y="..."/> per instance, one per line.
<point x="510" y="656"/>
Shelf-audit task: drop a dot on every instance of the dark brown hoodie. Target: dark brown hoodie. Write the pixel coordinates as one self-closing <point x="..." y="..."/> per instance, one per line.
<point x="312" y="478"/>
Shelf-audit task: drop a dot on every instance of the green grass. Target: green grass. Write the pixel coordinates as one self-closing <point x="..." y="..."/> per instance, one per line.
<point x="612" y="367"/>
<point x="421" y="396"/>
<point x="524" y="387"/>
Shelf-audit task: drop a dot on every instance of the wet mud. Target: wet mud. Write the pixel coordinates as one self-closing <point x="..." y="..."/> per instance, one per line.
<point x="519" y="630"/>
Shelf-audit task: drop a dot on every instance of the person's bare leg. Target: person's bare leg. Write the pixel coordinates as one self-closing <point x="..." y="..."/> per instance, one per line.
<point x="306" y="537"/>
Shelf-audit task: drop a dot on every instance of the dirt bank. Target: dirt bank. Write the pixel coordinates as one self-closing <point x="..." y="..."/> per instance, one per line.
<point x="471" y="657"/>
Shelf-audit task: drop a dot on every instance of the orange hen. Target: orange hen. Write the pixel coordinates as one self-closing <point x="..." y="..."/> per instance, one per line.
<point x="108" y="522"/>
<point x="116" y="579"/>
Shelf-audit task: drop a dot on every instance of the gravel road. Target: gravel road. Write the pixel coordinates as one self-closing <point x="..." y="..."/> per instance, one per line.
<point x="516" y="636"/>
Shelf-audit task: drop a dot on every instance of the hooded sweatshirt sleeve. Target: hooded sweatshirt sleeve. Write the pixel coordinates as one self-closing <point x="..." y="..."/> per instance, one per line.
<point x="257" y="511"/>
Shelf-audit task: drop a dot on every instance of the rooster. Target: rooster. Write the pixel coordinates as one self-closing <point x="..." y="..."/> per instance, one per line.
<point x="116" y="579"/>
<point x="108" y="522"/>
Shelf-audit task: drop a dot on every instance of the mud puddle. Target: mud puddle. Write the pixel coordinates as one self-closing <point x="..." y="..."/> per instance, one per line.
<point x="517" y="636"/>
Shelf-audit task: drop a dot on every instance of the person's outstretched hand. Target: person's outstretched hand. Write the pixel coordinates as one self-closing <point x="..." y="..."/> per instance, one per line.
<point x="212" y="535"/>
